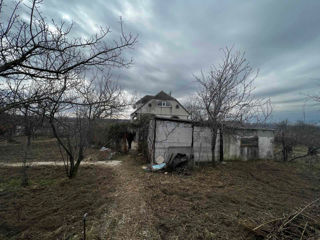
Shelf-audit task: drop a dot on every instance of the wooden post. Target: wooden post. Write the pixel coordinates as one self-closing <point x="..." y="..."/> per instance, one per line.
<point x="154" y="141"/>
<point x="192" y="151"/>
<point x="84" y="225"/>
<point x="221" y="144"/>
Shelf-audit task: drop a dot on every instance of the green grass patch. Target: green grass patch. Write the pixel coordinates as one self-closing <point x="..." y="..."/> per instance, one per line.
<point x="12" y="184"/>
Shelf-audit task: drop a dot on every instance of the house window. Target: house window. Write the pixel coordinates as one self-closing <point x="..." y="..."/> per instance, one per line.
<point x="150" y="105"/>
<point x="164" y="104"/>
<point x="177" y="106"/>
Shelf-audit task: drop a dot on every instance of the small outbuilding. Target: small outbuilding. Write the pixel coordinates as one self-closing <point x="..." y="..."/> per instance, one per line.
<point x="167" y="137"/>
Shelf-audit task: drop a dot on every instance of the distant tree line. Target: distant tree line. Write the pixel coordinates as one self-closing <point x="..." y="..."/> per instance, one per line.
<point x="291" y="136"/>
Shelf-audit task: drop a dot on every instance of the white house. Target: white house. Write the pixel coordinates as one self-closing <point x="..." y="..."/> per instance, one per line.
<point x="160" y="105"/>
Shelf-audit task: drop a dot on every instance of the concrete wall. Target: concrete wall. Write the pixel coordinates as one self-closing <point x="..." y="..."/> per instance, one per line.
<point x="150" y="139"/>
<point x="202" y="144"/>
<point x="232" y="143"/>
<point x="152" y="107"/>
<point x="266" y="144"/>
<point x="231" y="146"/>
<point x="173" y="136"/>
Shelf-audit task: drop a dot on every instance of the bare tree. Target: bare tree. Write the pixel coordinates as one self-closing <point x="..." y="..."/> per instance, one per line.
<point x="71" y="134"/>
<point x="194" y="107"/>
<point x="47" y="59"/>
<point x="286" y="139"/>
<point x="34" y="52"/>
<point x="71" y="113"/>
<point x="101" y="97"/>
<point x="226" y="94"/>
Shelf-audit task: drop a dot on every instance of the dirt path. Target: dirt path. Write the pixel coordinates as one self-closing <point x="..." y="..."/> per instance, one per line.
<point x="111" y="163"/>
<point x="130" y="217"/>
<point x="127" y="216"/>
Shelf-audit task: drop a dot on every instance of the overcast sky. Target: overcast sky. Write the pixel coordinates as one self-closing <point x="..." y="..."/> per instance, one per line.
<point x="179" y="38"/>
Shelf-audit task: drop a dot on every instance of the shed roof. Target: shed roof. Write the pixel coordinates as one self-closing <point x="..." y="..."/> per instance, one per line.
<point x="244" y="126"/>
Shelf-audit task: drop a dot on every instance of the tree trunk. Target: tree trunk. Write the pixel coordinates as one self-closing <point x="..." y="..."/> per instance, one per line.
<point x="221" y="145"/>
<point x="24" y="176"/>
<point x="71" y="167"/>
<point x="213" y="145"/>
<point x="73" y="170"/>
<point x="284" y="148"/>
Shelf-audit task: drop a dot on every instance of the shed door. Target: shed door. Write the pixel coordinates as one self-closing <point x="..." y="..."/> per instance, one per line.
<point x="249" y="148"/>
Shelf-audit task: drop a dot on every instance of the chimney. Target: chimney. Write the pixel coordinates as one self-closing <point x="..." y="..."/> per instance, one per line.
<point x="170" y="93"/>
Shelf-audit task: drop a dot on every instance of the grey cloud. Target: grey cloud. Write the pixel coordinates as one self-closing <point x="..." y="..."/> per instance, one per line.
<point x="295" y="87"/>
<point x="179" y="38"/>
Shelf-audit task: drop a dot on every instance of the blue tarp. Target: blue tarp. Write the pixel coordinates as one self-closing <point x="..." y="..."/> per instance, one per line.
<point x="158" y="166"/>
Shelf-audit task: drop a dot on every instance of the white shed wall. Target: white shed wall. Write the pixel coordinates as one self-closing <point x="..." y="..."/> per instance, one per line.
<point x="266" y="147"/>
<point x="202" y="144"/>
<point x="174" y="134"/>
<point x="231" y="146"/>
<point x="171" y="134"/>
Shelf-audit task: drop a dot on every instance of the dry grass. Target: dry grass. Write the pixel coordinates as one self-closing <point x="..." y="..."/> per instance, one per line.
<point x="130" y="217"/>
<point x="41" y="150"/>
<point x="214" y="203"/>
<point x="127" y="203"/>
<point x="52" y="206"/>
